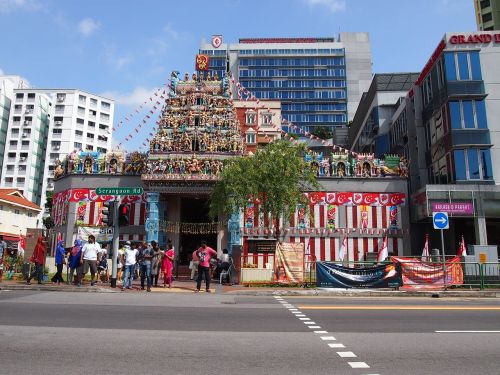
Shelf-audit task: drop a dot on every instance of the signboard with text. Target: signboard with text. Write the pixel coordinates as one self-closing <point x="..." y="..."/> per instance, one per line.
<point x="119" y="191"/>
<point x="465" y="208"/>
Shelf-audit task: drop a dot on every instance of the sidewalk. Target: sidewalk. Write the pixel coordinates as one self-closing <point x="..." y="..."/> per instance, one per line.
<point x="188" y="286"/>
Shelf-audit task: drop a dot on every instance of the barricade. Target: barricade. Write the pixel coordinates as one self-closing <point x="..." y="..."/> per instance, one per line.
<point x="257" y="268"/>
<point x="490" y="273"/>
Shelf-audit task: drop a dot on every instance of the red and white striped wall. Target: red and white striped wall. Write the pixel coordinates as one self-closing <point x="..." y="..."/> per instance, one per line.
<point x="90" y="212"/>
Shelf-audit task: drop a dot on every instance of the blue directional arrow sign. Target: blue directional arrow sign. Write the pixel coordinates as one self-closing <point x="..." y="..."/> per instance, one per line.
<point x="440" y="220"/>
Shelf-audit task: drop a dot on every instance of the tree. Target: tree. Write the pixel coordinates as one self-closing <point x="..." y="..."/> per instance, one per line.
<point x="48" y="222"/>
<point x="276" y="176"/>
<point x="322" y="132"/>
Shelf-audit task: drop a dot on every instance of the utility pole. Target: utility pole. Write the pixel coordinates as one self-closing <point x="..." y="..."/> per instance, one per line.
<point x="116" y="241"/>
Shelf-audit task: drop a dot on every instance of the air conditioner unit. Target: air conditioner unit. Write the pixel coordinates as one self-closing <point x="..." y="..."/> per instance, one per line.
<point x="26" y="123"/>
<point x="60" y="99"/>
<point x="22" y="158"/>
<point x="58" y="122"/>
<point x="25" y="135"/>
<point x="57" y="147"/>
<point x="28" y="111"/>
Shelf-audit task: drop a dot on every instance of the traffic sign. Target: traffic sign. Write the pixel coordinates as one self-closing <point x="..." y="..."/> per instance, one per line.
<point x="440" y="220"/>
<point x="119" y="191"/>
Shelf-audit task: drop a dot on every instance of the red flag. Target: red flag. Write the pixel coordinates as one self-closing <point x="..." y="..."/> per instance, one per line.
<point x="462" y="249"/>
<point x="425" y="252"/>
<point x="383" y="252"/>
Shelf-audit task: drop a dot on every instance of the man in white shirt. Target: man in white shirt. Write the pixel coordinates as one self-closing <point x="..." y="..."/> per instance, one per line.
<point x="89" y="259"/>
<point x="130" y="261"/>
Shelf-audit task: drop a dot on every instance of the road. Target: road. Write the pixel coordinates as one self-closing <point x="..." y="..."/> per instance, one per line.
<point x="184" y="333"/>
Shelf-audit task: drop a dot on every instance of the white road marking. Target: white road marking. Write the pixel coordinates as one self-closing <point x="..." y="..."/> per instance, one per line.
<point x="358" y="365"/>
<point x="346" y="354"/>
<point x="296" y="312"/>
<point x="327" y="338"/>
<point x="467" y="331"/>
<point x="320" y="332"/>
<point x="336" y="345"/>
<point x="292" y="309"/>
<point x="300" y="315"/>
<point x="314" y="327"/>
<point x="309" y="322"/>
<point x="304" y="319"/>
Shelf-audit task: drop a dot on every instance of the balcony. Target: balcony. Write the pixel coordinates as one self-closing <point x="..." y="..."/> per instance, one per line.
<point x="21" y="172"/>
<point x="465" y="88"/>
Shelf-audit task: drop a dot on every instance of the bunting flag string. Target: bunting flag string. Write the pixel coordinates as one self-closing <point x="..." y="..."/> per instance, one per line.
<point x="157" y="93"/>
<point x="130" y="136"/>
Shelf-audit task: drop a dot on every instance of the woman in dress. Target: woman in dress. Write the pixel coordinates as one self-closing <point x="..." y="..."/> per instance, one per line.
<point x="156" y="263"/>
<point x="167" y="266"/>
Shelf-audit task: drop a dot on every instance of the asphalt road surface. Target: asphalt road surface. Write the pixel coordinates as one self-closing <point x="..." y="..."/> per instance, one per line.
<point x="184" y="333"/>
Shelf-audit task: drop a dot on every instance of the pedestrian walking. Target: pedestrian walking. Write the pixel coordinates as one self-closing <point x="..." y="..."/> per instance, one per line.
<point x="38" y="258"/>
<point x="130" y="257"/>
<point x="60" y="259"/>
<point x="102" y="265"/>
<point x="3" y="252"/>
<point x="146" y="260"/>
<point x="120" y="264"/>
<point x="168" y="265"/>
<point x="204" y="254"/>
<point x="88" y="259"/>
<point x="74" y="261"/>
<point x="156" y="262"/>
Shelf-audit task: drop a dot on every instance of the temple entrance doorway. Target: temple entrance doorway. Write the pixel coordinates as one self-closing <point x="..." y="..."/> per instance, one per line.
<point x="194" y="210"/>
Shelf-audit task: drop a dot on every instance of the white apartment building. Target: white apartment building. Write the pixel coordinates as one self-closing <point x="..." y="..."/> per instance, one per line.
<point x="45" y="125"/>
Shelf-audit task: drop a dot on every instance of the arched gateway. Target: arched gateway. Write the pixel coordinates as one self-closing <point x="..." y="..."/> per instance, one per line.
<point x="198" y="130"/>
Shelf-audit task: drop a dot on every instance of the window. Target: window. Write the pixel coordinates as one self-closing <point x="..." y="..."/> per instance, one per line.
<point x="89" y="148"/>
<point x="59" y="108"/>
<point x="250" y="138"/>
<point x="79" y="121"/>
<point x="473" y="164"/>
<point x="10" y="168"/>
<point x="14" y="132"/>
<point x="77" y="145"/>
<point x="103" y="127"/>
<point x="16" y="211"/>
<point x="82" y="99"/>
<point x="102" y="138"/>
<point x="92" y="113"/>
<point x="91" y="124"/>
<point x="90" y="135"/>
<point x="30" y="214"/>
<point x="487" y="17"/>
<point x="101" y="149"/>
<point x="19" y="96"/>
<point x="104" y="117"/>
<point x="81" y="111"/>
<point x="105" y="105"/>
<point x="485" y="4"/>
<point x="251" y="117"/>
<point x="54" y="156"/>
<point x="13" y="143"/>
<point x="57" y="131"/>
<point x="267" y="119"/>
<point x="78" y="133"/>
<point x="31" y="95"/>
<point x="468" y="114"/>
<point x="61" y="97"/>
<point x="462" y="66"/>
<point x="93" y="102"/>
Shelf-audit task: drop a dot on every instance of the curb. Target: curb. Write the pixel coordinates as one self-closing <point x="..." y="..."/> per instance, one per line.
<point x="368" y="293"/>
<point x="49" y="288"/>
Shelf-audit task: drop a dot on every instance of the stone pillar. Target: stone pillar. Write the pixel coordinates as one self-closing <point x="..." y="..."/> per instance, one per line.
<point x="233" y="229"/>
<point x="480" y="229"/>
<point x="153" y="220"/>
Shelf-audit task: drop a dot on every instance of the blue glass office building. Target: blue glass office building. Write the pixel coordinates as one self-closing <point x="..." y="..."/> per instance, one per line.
<point x="310" y="76"/>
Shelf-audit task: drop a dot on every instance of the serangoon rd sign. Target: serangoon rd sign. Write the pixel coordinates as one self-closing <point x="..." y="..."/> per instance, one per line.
<point x="474" y="39"/>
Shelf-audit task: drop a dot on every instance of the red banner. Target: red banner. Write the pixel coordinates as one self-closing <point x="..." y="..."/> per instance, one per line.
<point x="202" y="62"/>
<point x="425" y="275"/>
<point x="358" y="199"/>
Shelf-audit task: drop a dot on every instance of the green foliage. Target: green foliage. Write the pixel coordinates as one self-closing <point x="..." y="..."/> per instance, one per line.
<point x="322" y="132"/>
<point x="276" y="175"/>
<point x="48" y="222"/>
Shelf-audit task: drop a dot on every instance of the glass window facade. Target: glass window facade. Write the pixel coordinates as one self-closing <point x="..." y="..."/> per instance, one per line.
<point x="472" y="164"/>
<point x="462" y="66"/>
<point x="310" y="82"/>
<point x="468" y="114"/>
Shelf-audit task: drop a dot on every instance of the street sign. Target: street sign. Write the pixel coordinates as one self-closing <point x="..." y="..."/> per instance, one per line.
<point x="119" y="191"/>
<point x="440" y="220"/>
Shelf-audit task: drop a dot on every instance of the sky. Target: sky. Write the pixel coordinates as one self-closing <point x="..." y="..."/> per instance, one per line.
<point x="125" y="49"/>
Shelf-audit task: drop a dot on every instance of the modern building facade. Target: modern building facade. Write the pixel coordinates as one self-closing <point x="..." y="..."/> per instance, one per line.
<point x="487" y="14"/>
<point x="319" y="81"/>
<point x="369" y="130"/>
<point x="450" y="125"/>
<point x="45" y="125"/>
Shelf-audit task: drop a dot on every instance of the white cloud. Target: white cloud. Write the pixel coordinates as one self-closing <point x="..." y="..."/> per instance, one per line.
<point x="88" y="26"/>
<point x="7" y="6"/>
<point x="116" y="60"/>
<point x="169" y="30"/>
<point x="1" y="72"/>
<point x="332" y="5"/>
<point x="132" y="99"/>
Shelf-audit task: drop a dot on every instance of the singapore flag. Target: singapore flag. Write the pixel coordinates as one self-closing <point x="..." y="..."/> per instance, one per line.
<point x="343" y="249"/>
<point x="383" y="252"/>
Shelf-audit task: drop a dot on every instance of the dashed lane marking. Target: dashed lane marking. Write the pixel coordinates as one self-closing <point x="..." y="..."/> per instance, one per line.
<point x="336" y="345"/>
<point x="389" y="307"/>
<point x="346" y="354"/>
<point x="327" y="338"/>
<point x="358" y="365"/>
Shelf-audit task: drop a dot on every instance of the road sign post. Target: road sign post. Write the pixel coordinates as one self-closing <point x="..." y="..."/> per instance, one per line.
<point x="116" y="239"/>
<point x="441" y="222"/>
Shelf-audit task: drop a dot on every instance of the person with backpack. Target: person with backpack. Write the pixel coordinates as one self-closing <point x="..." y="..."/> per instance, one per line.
<point x="74" y="261"/>
<point x="204" y="254"/>
<point x="102" y="264"/>
<point x="146" y="259"/>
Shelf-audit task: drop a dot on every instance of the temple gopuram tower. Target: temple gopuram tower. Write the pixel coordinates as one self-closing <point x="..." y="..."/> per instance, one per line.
<point x="198" y="130"/>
